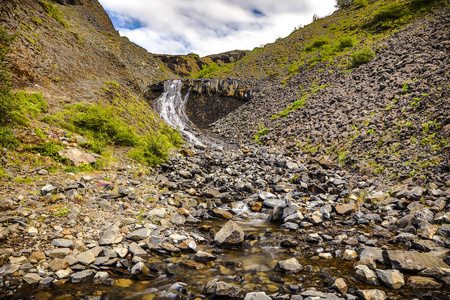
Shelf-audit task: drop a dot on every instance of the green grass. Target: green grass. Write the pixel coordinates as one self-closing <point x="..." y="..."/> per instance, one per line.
<point x="260" y="133"/>
<point x="207" y="70"/>
<point x="54" y="12"/>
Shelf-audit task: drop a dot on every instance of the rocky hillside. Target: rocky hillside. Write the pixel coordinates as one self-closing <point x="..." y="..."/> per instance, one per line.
<point x="388" y="117"/>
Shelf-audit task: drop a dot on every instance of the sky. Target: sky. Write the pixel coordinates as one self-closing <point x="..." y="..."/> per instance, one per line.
<point x="209" y="27"/>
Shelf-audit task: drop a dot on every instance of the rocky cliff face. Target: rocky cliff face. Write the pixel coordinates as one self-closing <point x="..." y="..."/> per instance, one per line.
<point x="209" y="99"/>
<point x="68" y="49"/>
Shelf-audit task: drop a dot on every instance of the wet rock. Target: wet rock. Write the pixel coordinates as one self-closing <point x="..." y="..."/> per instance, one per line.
<point x="289" y="266"/>
<point x="32" y="278"/>
<point x="221" y="289"/>
<point x="81" y="276"/>
<point x="204" y="257"/>
<point x="350" y="255"/>
<point x="313" y="294"/>
<point x="222" y="214"/>
<point x="140" y="269"/>
<point x="229" y="234"/>
<point x="46" y="282"/>
<point x="211" y="192"/>
<point x="418" y="282"/>
<point x="339" y="286"/>
<point x="257" y="296"/>
<point x="62" y="274"/>
<point x="367" y="275"/>
<point x="371" y="294"/>
<point x="391" y="278"/>
<point x="110" y="235"/>
<point x="411" y="261"/>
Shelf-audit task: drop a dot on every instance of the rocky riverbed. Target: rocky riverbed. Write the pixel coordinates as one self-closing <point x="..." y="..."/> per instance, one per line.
<point x="253" y="223"/>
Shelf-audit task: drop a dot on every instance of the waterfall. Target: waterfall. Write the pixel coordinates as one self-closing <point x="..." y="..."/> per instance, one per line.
<point x="171" y="106"/>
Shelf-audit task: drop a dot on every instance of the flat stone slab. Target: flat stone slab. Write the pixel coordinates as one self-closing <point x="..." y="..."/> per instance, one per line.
<point x="77" y="156"/>
<point x="412" y="261"/>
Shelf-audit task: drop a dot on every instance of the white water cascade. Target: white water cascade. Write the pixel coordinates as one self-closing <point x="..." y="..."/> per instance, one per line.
<point x="171" y="106"/>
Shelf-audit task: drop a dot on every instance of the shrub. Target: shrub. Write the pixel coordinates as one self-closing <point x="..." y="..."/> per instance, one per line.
<point x="154" y="147"/>
<point x="48" y="149"/>
<point x="317" y="43"/>
<point x="103" y="124"/>
<point x="343" y="3"/>
<point x="8" y="139"/>
<point x="361" y="3"/>
<point x="361" y="57"/>
<point x="389" y="12"/>
<point x="345" y="42"/>
<point x="207" y="70"/>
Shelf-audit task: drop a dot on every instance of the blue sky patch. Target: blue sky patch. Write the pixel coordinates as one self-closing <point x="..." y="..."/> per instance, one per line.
<point x="257" y="12"/>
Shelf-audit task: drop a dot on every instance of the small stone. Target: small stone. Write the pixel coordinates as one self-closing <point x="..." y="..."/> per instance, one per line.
<point x="136" y="250"/>
<point x="204" y="257"/>
<point x="32" y="231"/>
<point x="140" y="269"/>
<point x="350" y="255"/>
<point x="62" y="274"/>
<point x="110" y="235"/>
<point x="326" y="256"/>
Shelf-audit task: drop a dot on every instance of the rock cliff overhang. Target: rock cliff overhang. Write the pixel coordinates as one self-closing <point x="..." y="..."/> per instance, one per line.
<point x="209" y="99"/>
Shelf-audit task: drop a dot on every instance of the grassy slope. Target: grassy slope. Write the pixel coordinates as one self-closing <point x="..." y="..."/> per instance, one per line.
<point x="72" y="54"/>
<point x="323" y="40"/>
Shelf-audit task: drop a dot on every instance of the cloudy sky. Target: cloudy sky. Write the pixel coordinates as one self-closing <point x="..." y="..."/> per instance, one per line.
<point x="210" y="26"/>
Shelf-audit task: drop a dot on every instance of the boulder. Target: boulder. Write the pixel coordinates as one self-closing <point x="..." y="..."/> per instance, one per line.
<point x="418" y="282"/>
<point x="391" y="278"/>
<point x="289" y="266"/>
<point x="222" y="289"/>
<point x="229" y="234"/>
<point x="77" y="156"/>
<point x="412" y="261"/>
<point x="367" y="275"/>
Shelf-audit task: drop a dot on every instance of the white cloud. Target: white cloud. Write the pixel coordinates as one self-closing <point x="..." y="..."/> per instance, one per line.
<point x="210" y="26"/>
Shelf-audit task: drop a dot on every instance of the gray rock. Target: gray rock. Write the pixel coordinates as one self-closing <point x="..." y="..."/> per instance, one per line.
<point x="58" y="253"/>
<point x="343" y="209"/>
<point x="77" y="156"/>
<point x="367" y="275"/>
<point x="62" y="243"/>
<point x="32" y="278"/>
<point x="411" y="261"/>
<point x="257" y="296"/>
<point x="139" y="234"/>
<point x="230" y="234"/>
<point x="140" y="269"/>
<point x="418" y="282"/>
<point x="204" y="257"/>
<point x="136" y="250"/>
<point x="49" y="189"/>
<point x="289" y="266"/>
<point x="297" y="217"/>
<point x="391" y="278"/>
<point x="177" y="219"/>
<point x="271" y="203"/>
<point x="222" y="289"/>
<point x="159" y="212"/>
<point x="46" y="282"/>
<point x="110" y="235"/>
<point x="371" y="294"/>
<point x="62" y="274"/>
<point x="81" y="276"/>
<point x="58" y="264"/>
<point x="370" y="252"/>
<point x="316" y="295"/>
<point x="101" y="278"/>
<point x="86" y="258"/>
